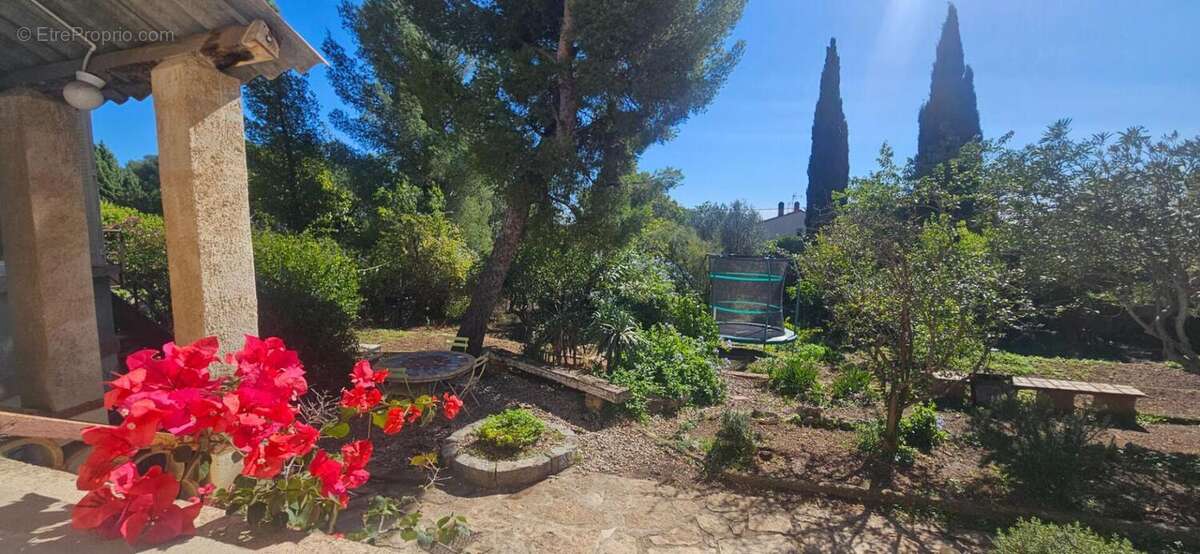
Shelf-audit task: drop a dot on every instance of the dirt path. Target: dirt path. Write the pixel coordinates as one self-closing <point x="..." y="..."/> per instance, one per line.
<point x="583" y="511"/>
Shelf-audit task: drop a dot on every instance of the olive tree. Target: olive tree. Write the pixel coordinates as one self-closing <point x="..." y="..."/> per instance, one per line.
<point x="913" y="291"/>
<point x="1116" y="219"/>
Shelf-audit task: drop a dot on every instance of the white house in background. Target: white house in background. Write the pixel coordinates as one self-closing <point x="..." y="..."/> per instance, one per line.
<point x="790" y="223"/>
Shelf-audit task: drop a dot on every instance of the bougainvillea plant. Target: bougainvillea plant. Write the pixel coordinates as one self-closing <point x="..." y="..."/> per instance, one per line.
<point x="285" y="478"/>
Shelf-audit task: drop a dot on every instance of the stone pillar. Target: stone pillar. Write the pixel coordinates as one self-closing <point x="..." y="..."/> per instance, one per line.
<point x="206" y="206"/>
<point x="46" y="249"/>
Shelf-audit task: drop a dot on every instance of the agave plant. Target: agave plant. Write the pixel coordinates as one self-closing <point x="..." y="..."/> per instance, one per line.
<point x="615" y="331"/>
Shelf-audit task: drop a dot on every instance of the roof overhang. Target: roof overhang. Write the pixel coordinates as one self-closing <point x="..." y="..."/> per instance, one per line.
<point x="245" y="38"/>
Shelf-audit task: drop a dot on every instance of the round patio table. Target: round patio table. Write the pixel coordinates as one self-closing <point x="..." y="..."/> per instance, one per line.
<point x="425" y="366"/>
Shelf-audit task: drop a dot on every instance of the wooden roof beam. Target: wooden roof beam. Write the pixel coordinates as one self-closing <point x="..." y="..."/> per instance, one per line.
<point x="232" y="46"/>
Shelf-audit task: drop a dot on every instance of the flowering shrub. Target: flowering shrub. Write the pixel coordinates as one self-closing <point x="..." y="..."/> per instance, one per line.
<point x="254" y="412"/>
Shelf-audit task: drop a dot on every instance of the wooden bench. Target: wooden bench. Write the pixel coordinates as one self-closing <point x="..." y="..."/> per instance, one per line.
<point x="596" y="391"/>
<point x="1116" y="399"/>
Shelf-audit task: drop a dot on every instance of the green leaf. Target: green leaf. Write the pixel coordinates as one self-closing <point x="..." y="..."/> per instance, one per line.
<point x="338" y="430"/>
<point x="379" y="419"/>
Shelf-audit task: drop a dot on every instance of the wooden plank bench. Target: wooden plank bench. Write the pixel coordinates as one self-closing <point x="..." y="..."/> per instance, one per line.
<point x="1115" y="399"/>
<point x="596" y="391"/>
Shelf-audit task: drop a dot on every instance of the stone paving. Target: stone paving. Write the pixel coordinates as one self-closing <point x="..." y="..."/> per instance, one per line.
<point x="578" y="511"/>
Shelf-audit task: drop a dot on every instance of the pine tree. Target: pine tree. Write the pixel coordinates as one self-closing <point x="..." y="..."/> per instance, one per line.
<point x="949" y="119"/>
<point x="293" y="186"/>
<point x="132" y="186"/>
<point x="561" y="95"/>
<point x="829" y="164"/>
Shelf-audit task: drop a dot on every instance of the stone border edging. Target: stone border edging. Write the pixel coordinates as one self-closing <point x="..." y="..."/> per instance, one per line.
<point x="984" y="509"/>
<point x="504" y="474"/>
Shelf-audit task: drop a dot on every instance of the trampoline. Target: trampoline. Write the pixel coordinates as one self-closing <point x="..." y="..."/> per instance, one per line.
<point x="746" y="297"/>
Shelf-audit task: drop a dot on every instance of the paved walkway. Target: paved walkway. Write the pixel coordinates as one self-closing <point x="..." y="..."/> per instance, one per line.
<point x="585" y="512"/>
<point x="575" y="511"/>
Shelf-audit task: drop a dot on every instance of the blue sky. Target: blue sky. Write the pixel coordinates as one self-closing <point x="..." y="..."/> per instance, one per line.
<point x="1107" y="64"/>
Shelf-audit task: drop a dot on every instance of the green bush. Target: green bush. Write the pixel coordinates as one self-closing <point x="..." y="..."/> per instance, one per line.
<point x="308" y="296"/>
<point x="922" y="428"/>
<point x="307" y="287"/>
<point x="854" y="384"/>
<point x="137" y="241"/>
<point x="665" y="363"/>
<point x="798" y="377"/>
<point x="734" y="444"/>
<point x="1049" y="455"/>
<point x="812" y="351"/>
<point x="419" y="269"/>
<point x="868" y="439"/>
<point x="513" y="429"/>
<point x="1035" y="537"/>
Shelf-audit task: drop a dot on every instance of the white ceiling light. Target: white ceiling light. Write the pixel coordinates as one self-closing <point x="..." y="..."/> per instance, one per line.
<point x="84" y="92"/>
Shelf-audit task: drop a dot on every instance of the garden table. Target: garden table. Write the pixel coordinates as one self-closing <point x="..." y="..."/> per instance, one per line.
<point x="424" y="367"/>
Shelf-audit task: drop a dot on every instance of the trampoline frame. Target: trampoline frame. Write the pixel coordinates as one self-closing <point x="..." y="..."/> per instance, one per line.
<point x="771" y="334"/>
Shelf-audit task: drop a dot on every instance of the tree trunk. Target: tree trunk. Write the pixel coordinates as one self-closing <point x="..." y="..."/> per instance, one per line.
<point x="516" y="215"/>
<point x="891" y="433"/>
<point x="495" y="271"/>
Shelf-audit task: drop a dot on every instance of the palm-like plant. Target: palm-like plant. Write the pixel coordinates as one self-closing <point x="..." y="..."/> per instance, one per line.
<point x="615" y="331"/>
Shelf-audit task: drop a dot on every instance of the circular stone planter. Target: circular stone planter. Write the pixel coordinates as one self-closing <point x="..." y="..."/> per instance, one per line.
<point x="505" y="474"/>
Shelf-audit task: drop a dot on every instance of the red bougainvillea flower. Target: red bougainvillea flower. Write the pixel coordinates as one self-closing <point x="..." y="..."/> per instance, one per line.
<point x="395" y="421"/>
<point x="267" y="458"/>
<point x="268" y="364"/>
<point x="138" y="508"/>
<point x="112" y="445"/>
<point x="451" y="404"/>
<point x="413" y="413"/>
<point x="363" y="376"/>
<point x="157" y="375"/>
<point x="339" y="477"/>
<point x="360" y="399"/>
<point x="357" y="454"/>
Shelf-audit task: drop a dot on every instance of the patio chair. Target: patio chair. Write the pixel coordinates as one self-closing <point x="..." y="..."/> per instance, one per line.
<point x="459" y="344"/>
<point x="476" y="374"/>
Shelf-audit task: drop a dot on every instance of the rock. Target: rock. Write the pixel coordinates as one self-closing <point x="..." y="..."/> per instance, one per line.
<point x="676" y="537"/>
<point x="612" y="541"/>
<point x="765" y="544"/>
<point x="771" y="523"/>
<point x="723" y="502"/>
<point x="713" y="525"/>
<point x="677" y="550"/>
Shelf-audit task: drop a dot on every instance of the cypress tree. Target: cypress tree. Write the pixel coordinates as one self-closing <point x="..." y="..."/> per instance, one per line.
<point x="829" y="164"/>
<point x="949" y="119"/>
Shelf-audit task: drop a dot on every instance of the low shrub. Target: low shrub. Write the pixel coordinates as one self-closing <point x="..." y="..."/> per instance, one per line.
<point x="868" y="439"/>
<point x="812" y="351"/>
<point x="922" y="428"/>
<point x="308" y="292"/>
<point x="663" y="362"/>
<point x="855" y="385"/>
<point x="1049" y="455"/>
<point x="1035" y="537"/>
<point x="798" y="377"/>
<point x="734" y="444"/>
<point x="513" y="429"/>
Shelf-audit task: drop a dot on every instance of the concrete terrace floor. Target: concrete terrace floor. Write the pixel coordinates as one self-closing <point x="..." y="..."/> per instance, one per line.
<point x="576" y="511"/>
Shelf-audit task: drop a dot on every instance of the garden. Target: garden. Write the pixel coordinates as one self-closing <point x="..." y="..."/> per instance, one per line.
<point x="934" y="309"/>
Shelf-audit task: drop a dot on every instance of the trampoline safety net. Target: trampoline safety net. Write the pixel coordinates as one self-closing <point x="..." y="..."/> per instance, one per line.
<point x="746" y="297"/>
